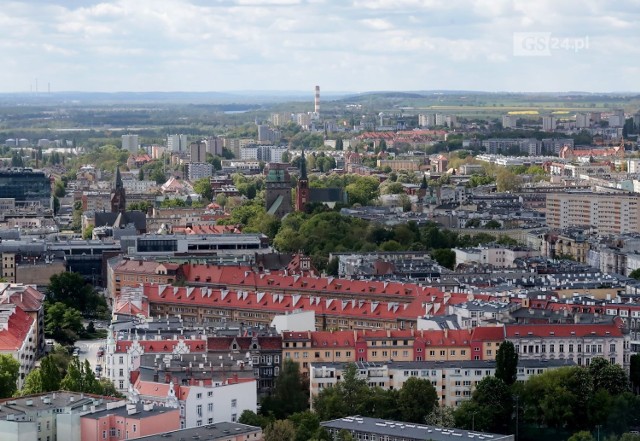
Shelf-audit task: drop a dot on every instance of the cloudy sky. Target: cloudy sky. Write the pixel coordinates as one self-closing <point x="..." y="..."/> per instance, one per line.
<point x="342" y="45"/>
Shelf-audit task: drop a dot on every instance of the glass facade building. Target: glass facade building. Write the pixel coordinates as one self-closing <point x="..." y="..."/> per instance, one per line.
<point x="25" y="185"/>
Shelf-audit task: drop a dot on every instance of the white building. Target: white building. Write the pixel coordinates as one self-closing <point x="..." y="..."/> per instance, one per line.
<point x="135" y="186"/>
<point x="177" y="143"/>
<point x="51" y="416"/>
<point x="502" y="257"/>
<point x="578" y="343"/>
<point x="427" y="120"/>
<point x="130" y="143"/>
<point x="583" y="120"/>
<point x="198" y="170"/>
<point x="548" y="123"/>
<point x="123" y="356"/>
<point x="202" y="404"/>
<point x="297" y="321"/>
<point x="18" y="338"/>
<point x="509" y="121"/>
<point x="454" y="380"/>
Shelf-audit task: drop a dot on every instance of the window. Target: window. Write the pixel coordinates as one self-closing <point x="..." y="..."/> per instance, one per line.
<point x="199" y="395"/>
<point x="199" y="409"/>
<point x="210" y="407"/>
<point x="135" y="428"/>
<point x="104" y="434"/>
<point x="570" y="347"/>
<point x="234" y="403"/>
<point x="121" y="360"/>
<point x="561" y="348"/>
<point x="121" y="384"/>
<point x="199" y="423"/>
<point x="210" y="421"/>
<point x="612" y="347"/>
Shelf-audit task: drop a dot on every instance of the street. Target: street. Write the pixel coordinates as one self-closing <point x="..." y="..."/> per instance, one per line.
<point x="89" y="351"/>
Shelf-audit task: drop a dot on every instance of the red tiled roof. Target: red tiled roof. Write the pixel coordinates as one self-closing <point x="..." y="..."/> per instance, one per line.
<point x="29" y="299"/>
<point x="162" y="346"/>
<point x="488" y="333"/>
<point x="281" y="303"/>
<point x="12" y="338"/>
<point x="564" y="330"/>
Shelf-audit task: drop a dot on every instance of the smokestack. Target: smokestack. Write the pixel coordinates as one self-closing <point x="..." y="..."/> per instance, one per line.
<point x="316" y="107"/>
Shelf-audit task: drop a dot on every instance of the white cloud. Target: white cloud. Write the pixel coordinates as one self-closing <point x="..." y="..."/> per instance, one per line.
<point x="291" y="44"/>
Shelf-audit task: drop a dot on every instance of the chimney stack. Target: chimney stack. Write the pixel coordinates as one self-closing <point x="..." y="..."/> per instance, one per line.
<point x="316" y="107"/>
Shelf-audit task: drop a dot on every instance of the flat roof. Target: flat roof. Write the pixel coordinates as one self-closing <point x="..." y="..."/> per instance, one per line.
<point x="409" y="431"/>
<point x="210" y="432"/>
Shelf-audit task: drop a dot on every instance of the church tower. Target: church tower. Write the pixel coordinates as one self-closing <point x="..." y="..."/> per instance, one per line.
<point x="302" y="189"/>
<point x="118" y="200"/>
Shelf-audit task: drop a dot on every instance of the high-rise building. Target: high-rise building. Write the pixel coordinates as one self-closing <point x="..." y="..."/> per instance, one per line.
<point x="607" y="213"/>
<point x="130" y="143"/>
<point x="198" y="151"/>
<point x="583" y="120"/>
<point x="548" y="123"/>
<point x="616" y="119"/>
<point x="509" y="121"/>
<point x="427" y="120"/>
<point x="177" y="143"/>
<point x="214" y="145"/>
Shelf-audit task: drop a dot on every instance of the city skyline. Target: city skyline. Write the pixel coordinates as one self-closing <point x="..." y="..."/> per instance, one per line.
<point x="273" y="45"/>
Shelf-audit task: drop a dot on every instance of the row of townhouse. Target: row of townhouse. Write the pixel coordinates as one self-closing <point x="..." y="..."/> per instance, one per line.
<point x="197" y="305"/>
<point x="454" y="381"/>
<point x="306" y="348"/>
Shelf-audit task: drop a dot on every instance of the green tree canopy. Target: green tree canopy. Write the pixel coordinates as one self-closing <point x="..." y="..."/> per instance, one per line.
<point x="9" y="369"/>
<point x="280" y="430"/>
<point x="417" y="399"/>
<point x="507" y="363"/>
<point x="290" y="394"/>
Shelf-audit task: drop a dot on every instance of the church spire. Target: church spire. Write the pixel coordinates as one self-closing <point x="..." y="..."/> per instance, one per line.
<point x="118" y="178"/>
<point x="303" y="166"/>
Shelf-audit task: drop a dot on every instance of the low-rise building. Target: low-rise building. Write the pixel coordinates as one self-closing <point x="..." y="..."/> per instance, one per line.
<point x="454" y="381"/>
<point x="53" y="416"/>
<point x="219" y="431"/>
<point x="364" y="428"/>
<point x="128" y="422"/>
<point x="18" y="338"/>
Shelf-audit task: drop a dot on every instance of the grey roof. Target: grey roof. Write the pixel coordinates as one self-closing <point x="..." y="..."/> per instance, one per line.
<point x="408" y="431"/>
<point x="72" y="402"/>
<point x="106" y="218"/>
<point x="210" y="432"/>
<point x="326" y="195"/>
<point x="123" y="411"/>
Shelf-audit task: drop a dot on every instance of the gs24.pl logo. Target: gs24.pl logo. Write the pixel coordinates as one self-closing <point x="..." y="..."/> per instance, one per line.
<point x="544" y="44"/>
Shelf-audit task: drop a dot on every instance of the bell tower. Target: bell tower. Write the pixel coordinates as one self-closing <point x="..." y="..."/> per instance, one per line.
<point x="302" y="189"/>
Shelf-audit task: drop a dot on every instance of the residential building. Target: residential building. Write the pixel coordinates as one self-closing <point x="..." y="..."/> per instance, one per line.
<point x="177" y="143"/>
<point x="122" y="356"/>
<point x="130" y="143"/>
<point x="18" y="338"/>
<point x="454" y="381"/>
<point x="8" y="267"/>
<point x="128" y="422"/>
<point x="509" y="121"/>
<point x="219" y="431"/>
<point x="427" y="120"/>
<point x="583" y="120"/>
<point x="53" y="416"/>
<point x="198" y="152"/>
<point x="578" y="343"/>
<point x="199" y="404"/>
<point x="365" y="428"/>
<point x="605" y="213"/>
<point x="548" y="123"/>
<point x="199" y="170"/>
<point x="31" y="301"/>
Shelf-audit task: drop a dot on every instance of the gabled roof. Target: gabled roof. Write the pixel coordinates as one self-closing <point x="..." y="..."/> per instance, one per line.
<point x="564" y="330"/>
<point x="17" y="329"/>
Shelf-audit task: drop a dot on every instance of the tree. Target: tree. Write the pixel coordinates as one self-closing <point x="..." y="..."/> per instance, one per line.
<point x="32" y="383"/>
<point x="608" y="376"/>
<point x="50" y="374"/>
<point x="88" y="233"/>
<point x="280" y="430"/>
<point x="417" y="399"/>
<point x="221" y="199"/>
<point x="9" y="369"/>
<point x="203" y="187"/>
<point x="72" y="382"/>
<point x="442" y="416"/>
<point x="71" y="289"/>
<point x="445" y="257"/>
<point x="489" y="409"/>
<point x="635" y="274"/>
<point x="307" y="425"/>
<point x="252" y="419"/>
<point x="62" y="322"/>
<point x="634" y="373"/>
<point x="506" y="180"/>
<point x="58" y="189"/>
<point x="339" y="144"/>
<point x="582" y="436"/>
<point x="493" y="224"/>
<point x="289" y="395"/>
<point x="507" y="363"/>
<point x="286" y="157"/>
<point x="141" y="175"/>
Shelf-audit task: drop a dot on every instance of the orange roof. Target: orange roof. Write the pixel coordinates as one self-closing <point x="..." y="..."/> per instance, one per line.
<point x="18" y="326"/>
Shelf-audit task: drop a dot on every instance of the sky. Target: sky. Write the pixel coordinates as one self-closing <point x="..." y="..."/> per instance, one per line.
<point x="341" y="45"/>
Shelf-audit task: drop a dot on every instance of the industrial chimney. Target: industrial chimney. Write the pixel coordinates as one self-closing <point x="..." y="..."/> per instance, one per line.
<point x="316" y="107"/>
